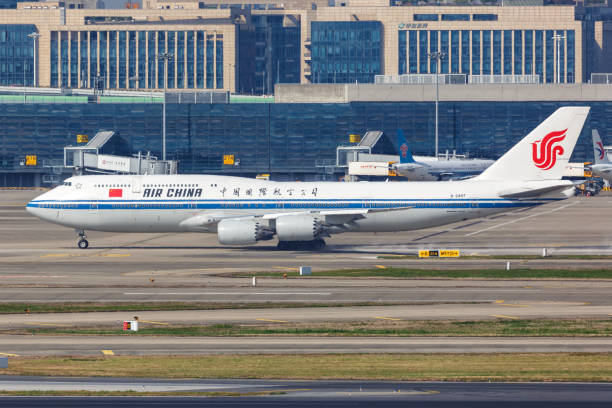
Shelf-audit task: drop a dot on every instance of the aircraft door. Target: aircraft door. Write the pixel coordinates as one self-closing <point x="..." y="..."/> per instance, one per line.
<point x="136" y="184"/>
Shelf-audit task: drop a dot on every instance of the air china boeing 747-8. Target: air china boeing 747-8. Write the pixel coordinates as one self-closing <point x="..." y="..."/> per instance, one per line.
<point x="244" y="211"/>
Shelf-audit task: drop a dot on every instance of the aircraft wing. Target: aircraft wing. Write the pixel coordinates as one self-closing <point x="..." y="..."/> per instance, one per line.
<point x="331" y="217"/>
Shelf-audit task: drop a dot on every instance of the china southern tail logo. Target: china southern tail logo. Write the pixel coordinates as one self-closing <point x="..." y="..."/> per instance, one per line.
<point x="404" y="150"/>
<point x="600" y="150"/>
<point x="545" y="152"/>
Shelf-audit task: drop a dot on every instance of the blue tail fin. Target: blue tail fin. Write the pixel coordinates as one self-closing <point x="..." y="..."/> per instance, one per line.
<point x="404" y="151"/>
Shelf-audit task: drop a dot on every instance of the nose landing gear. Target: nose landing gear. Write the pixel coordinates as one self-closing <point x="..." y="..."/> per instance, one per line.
<point x="83" y="243"/>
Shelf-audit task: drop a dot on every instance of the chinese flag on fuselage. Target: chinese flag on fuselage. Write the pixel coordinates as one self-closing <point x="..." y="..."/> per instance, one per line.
<point x="115" y="192"/>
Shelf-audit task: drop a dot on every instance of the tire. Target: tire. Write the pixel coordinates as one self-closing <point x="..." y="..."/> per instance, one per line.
<point x="83" y="244"/>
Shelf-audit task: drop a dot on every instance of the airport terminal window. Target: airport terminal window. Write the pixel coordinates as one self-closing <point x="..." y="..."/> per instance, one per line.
<point x="454" y="54"/>
<point x="412" y="52"/>
<point x="402" y="55"/>
<point x="151" y="63"/>
<point x="200" y="71"/>
<point x="219" y="61"/>
<point x="16" y="54"/>
<point x="484" y="17"/>
<point x="132" y="79"/>
<point x="210" y="61"/>
<point x="64" y="66"/>
<point x="423" y="52"/>
<point x="507" y="52"/>
<point x="539" y="54"/>
<point x="444" y="49"/>
<point x="518" y="52"/>
<point x="455" y="17"/>
<point x="349" y="51"/>
<point x="170" y="48"/>
<point x="475" y="52"/>
<point x="497" y="60"/>
<point x="465" y="52"/>
<point x="161" y="48"/>
<point x="112" y="59"/>
<point x="180" y="59"/>
<point x="425" y="17"/>
<point x="190" y="59"/>
<point x="142" y="59"/>
<point x="74" y="59"/>
<point x="528" y="52"/>
<point x="83" y="61"/>
<point x="571" y="62"/>
<point x="486" y="52"/>
<point x="102" y="72"/>
<point x="54" y="59"/>
<point x="561" y="57"/>
<point x="433" y="47"/>
<point x="550" y="57"/>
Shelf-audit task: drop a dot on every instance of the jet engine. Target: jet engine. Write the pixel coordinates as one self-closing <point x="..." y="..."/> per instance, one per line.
<point x="242" y="232"/>
<point x="300" y="228"/>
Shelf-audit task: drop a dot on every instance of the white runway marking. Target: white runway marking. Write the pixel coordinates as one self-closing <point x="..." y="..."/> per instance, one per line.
<point x="521" y="219"/>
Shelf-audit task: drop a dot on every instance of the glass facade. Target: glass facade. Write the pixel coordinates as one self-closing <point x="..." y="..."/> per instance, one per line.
<point x="346" y="51"/>
<point x="16" y="54"/>
<point x="489" y="52"/>
<point x="280" y="138"/>
<point x="127" y="59"/>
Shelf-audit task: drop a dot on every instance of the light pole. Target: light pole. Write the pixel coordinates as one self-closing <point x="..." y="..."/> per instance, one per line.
<point x="165" y="56"/>
<point x="34" y="36"/>
<point x="557" y="38"/>
<point x="438" y="56"/>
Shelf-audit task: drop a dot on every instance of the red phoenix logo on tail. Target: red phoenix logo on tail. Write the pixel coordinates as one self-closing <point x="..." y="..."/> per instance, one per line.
<point x="545" y="152"/>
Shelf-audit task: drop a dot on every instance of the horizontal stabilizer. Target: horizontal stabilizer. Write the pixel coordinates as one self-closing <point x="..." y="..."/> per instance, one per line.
<point x="526" y="193"/>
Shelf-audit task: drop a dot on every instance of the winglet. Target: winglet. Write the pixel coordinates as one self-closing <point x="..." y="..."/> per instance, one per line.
<point x="601" y="156"/>
<point x="544" y="152"/>
<point x="404" y="150"/>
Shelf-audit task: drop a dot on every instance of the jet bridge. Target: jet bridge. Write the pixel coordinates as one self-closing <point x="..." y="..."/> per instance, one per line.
<point x="91" y="157"/>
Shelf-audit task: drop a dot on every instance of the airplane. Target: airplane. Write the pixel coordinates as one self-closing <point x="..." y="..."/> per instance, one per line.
<point x="603" y="166"/>
<point x="435" y="170"/>
<point x="243" y="211"/>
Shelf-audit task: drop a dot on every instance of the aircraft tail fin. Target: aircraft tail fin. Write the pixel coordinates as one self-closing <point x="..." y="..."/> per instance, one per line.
<point x="543" y="153"/>
<point x="404" y="149"/>
<point x="598" y="149"/>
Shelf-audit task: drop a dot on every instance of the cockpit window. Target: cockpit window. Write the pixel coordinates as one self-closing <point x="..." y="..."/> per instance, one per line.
<point x="67" y="183"/>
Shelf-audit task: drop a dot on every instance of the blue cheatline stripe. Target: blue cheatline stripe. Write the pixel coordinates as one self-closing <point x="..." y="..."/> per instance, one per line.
<point x="284" y="205"/>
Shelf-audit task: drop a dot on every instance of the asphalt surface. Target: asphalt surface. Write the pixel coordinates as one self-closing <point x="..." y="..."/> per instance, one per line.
<point x="316" y="393"/>
<point x="40" y="345"/>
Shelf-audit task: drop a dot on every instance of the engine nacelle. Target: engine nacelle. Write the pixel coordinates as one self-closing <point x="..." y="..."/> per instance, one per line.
<point x="299" y="228"/>
<point x="242" y="232"/>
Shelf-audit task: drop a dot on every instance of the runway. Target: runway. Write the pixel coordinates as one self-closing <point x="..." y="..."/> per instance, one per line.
<point x="316" y="393"/>
<point x="41" y="345"/>
<point x="448" y="311"/>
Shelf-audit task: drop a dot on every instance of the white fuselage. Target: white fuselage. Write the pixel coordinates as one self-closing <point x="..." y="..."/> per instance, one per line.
<point x="603" y="170"/>
<point x="176" y="203"/>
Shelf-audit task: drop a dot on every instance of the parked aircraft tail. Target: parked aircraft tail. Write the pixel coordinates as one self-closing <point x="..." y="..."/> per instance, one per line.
<point x="543" y="153"/>
<point x="598" y="149"/>
<point x="404" y="149"/>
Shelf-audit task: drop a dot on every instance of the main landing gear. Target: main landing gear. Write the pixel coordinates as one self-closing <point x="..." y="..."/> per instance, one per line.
<point x="83" y="243"/>
<point x="314" y="245"/>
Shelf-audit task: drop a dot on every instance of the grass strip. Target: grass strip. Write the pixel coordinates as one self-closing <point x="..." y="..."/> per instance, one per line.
<point x="509" y="257"/>
<point x="84" y="307"/>
<point x="81" y="393"/>
<point x="431" y="328"/>
<point x="446" y="273"/>
<point x="408" y="367"/>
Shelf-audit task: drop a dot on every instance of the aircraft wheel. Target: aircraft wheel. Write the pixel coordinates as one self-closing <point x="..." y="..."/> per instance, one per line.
<point x="83" y="244"/>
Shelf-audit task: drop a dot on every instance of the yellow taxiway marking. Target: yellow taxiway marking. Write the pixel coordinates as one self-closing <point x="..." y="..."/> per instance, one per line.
<point x="108" y="352"/>
<point x="286" y="269"/>
<point x="527" y="287"/>
<point x="56" y="255"/>
<point x="9" y="355"/>
<point x="381" y="266"/>
<point x="505" y="317"/>
<point x="513" y="305"/>
<point x="147" y="321"/>
<point x="499" y="301"/>
<point x="386" y="318"/>
<point x="272" y="320"/>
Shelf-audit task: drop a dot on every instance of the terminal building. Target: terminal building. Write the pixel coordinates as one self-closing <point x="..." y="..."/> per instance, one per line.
<point x="334" y="68"/>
